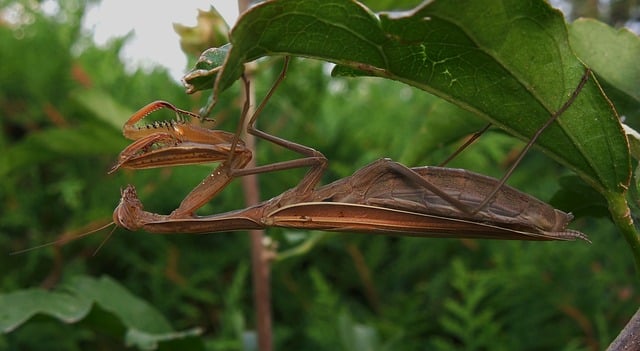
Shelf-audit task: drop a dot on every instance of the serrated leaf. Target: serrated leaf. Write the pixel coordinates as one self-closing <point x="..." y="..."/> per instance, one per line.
<point x="509" y="62"/>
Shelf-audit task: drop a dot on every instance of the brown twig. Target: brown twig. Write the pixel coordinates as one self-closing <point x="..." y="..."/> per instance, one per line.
<point x="260" y="266"/>
<point x="365" y="275"/>
<point x="629" y="337"/>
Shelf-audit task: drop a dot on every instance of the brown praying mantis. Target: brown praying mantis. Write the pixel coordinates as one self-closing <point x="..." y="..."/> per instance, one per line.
<point x="382" y="197"/>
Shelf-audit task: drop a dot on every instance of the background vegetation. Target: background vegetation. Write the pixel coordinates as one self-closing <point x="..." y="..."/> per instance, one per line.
<point x="63" y="101"/>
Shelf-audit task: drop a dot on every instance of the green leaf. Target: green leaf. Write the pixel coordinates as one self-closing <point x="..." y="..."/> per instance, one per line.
<point x="20" y="306"/>
<point x="185" y="340"/>
<point x="582" y="200"/>
<point x="55" y="143"/>
<point x="354" y="336"/>
<point x="447" y="121"/>
<point x="112" y="297"/>
<point x="145" y="327"/>
<point x="203" y="76"/>
<point x="211" y="30"/>
<point x="612" y="53"/>
<point x="103" y="107"/>
<point x="634" y="141"/>
<point x="508" y="62"/>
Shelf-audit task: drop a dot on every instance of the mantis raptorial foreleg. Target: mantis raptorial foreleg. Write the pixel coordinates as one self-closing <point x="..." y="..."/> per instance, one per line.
<point x="150" y="141"/>
<point x="175" y="143"/>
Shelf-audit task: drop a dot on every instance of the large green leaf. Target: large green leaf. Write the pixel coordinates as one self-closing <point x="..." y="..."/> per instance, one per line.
<point x="106" y="300"/>
<point x="507" y="61"/>
<point x="613" y="53"/>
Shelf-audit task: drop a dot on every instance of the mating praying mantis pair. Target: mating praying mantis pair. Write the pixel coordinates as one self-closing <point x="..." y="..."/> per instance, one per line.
<point x="383" y="197"/>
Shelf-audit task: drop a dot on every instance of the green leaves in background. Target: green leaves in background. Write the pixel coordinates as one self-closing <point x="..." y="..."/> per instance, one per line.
<point x="102" y="303"/>
<point x="362" y="291"/>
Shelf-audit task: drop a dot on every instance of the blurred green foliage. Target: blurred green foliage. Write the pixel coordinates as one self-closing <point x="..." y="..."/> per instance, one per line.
<point x="62" y="103"/>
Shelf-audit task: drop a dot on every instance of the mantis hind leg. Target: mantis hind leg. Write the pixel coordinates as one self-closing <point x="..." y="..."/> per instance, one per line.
<point x="526" y="148"/>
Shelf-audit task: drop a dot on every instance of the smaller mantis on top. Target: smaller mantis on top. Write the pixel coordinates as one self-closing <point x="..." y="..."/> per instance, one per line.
<point x="171" y="143"/>
<point x="178" y="142"/>
<point x="384" y="196"/>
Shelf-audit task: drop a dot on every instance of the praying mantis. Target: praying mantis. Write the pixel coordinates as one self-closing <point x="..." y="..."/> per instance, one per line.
<point x="383" y="197"/>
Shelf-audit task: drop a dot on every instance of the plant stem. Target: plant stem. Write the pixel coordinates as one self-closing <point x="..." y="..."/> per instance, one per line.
<point x="629" y="337"/>
<point x="619" y="209"/>
<point x="260" y="265"/>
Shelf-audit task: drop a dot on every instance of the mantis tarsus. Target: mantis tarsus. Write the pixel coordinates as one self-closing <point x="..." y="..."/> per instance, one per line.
<point x="384" y="196"/>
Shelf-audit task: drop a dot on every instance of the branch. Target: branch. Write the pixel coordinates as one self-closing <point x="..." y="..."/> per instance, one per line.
<point x="629" y="337"/>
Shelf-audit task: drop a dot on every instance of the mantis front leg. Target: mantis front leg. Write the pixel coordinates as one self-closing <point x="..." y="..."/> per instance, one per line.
<point x="178" y="143"/>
